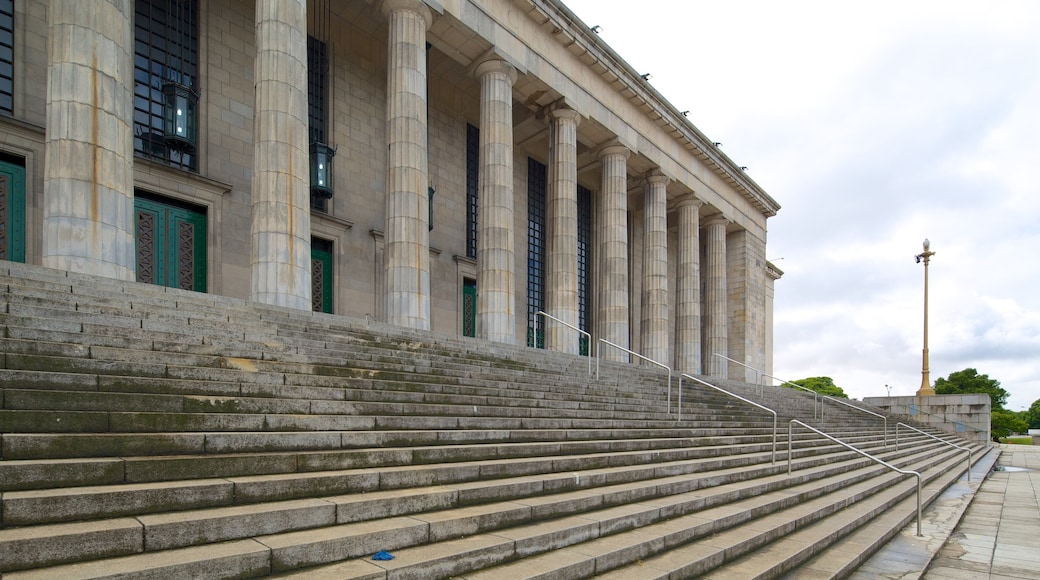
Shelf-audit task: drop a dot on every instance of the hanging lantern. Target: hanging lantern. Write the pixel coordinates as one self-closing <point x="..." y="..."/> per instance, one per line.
<point x="430" y="192"/>
<point x="180" y="116"/>
<point x="321" y="170"/>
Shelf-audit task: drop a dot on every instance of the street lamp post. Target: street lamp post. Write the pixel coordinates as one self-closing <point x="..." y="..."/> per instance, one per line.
<point x="926" y="389"/>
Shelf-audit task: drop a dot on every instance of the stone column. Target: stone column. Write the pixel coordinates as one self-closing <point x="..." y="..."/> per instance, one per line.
<point x="654" y="327"/>
<point x="281" y="222"/>
<point x="715" y="287"/>
<point x="407" y="177"/>
<point x="496" y="285"/>
<point x="562" y="217"/>
<point x="688" y="293"/>
<point x="88" y="216"/>
<point x="613" y="251"/>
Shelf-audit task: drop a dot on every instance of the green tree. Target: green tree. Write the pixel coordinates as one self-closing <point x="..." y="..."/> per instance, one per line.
<point x="1033" y="415"/>
<point x="969" y="382"/>
<point x="1004" y="423"/>
<point x="822" y="385"/>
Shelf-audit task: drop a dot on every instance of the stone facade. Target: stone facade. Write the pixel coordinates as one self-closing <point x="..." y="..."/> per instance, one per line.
<point x="966" y="415"/>
<point x="675" y="256"/>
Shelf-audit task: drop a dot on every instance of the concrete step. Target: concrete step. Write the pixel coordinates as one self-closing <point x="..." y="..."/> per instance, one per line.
<point x="603" y="538"/>
<point x="466" y="514"/>
<point x="695" y="544"/>
<point x="268" y="477"/>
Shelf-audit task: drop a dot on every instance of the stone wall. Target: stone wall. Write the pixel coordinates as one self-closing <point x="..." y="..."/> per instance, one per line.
<point x="964" y="415"/>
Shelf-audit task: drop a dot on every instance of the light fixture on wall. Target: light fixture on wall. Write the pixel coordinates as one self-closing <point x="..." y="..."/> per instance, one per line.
<point x="322" y="154"/>
<point x="180" y="99"/>
<point x="322" y="170"/>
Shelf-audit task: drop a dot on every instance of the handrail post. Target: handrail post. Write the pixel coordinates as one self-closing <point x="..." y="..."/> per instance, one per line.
<point x="641" y="357"/>
<point x="734" y="395"/>
<point x="790" y="426"/>
<point x="816" y="396"/>
<point x="757" y="372"/>
<point x="850" y="405"/>
<point x="545" y="328"/>
<point x="940" y="440"/>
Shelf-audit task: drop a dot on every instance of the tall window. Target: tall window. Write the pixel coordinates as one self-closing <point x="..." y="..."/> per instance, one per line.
<point x="166" y="54"/>
<point x="7" y="57"/>
<point x="472" y="184"/>
<point x="317" y="118"/>
<point x="584" y="259"/>
<point x="536" y="242"/>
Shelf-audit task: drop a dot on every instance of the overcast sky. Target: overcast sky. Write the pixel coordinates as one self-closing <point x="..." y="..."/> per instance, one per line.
<point x="875" y="125"/>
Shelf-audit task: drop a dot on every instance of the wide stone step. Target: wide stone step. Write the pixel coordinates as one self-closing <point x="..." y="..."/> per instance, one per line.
<point x="692" y="544"/>
<point x="466" y="513"/>
<point x="785" y="547"/>
<point x="605" y="537"/>
<point x="309" y="479"/>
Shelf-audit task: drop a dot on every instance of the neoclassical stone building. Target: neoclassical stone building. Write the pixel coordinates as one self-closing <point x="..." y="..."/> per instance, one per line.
<point x="451" y="165"/>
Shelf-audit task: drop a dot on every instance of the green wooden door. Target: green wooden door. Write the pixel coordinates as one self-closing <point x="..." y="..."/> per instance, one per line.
<point x="12" y="212"/>
<point x="321" y="275"/>
<point x="469" y="308"/>
<point x="171" y="244"/>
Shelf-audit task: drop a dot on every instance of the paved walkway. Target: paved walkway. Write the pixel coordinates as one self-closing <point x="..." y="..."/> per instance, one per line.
<point x="986" y="528"/>
<point x="999" y="536"/>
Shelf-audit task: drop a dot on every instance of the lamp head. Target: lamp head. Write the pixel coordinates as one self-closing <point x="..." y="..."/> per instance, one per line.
<point x="927" y="244"/>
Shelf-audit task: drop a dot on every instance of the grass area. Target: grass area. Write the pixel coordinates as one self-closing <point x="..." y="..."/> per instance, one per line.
<point x="1017" y="440"/>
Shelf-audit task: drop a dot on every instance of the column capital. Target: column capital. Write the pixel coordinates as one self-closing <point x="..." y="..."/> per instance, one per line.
<point x="614" y="148"/>
<point x="690" y="199"/>
<point x="563" y="113"/>
<point x="417" y="6"/>
<point x="491" y="63"/>
<point x="655" y="176"/>
<point x="717" y="220"/>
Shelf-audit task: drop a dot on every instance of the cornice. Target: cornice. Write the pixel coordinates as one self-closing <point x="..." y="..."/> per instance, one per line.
<point x="580" y="41"/>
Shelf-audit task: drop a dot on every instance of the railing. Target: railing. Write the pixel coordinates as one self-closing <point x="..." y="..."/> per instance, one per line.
<point x="989" y="442"/>
<point x="570" y="326"/>
<point x="724" y="391"/>
<point x="758" y="381"/>
<point x="937" y="439"/>
<point x="850" y="405"/>
<point x="816" y="396"/>
<point x="790" y="428"/>
<point x="641" y="357"/>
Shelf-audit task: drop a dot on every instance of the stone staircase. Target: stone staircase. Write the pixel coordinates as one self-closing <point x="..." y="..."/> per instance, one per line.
<point x="149" y="432"/>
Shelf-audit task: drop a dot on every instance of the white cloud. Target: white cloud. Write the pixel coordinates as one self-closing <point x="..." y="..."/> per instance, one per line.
<point x="874" y="125"/>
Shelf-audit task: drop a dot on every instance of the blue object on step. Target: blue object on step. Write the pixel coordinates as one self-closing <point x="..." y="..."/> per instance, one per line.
<point x="383" y="555"/>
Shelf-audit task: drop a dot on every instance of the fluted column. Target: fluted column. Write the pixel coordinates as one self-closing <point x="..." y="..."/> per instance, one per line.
<point x="88" y="223"/>
<point x="715" y="287"/>
<point x="407" y="237"/>
<point x="562" y="217"/>
<point x="281" y="221"/>
<point x="688" y="291"/>
<point x="654" y="327"/>
<point x="613" y="251"/>
<point x="496" y="286"/>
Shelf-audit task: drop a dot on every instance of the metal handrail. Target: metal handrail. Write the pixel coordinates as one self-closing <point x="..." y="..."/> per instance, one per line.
<point x="767" y="409"/>
<point x="571" y="326"/>
<point x="636" y="354"/>
<point x="911" y="427"/>
<point x="816" y="396"/>
<point x="758" y="373"/>
<point x="790" y="428"/>
<point x="989" y="443"/>
<point x="883" y="418"/>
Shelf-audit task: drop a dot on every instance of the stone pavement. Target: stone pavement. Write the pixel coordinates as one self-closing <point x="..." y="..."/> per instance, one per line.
<point x="999" y="535"/>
